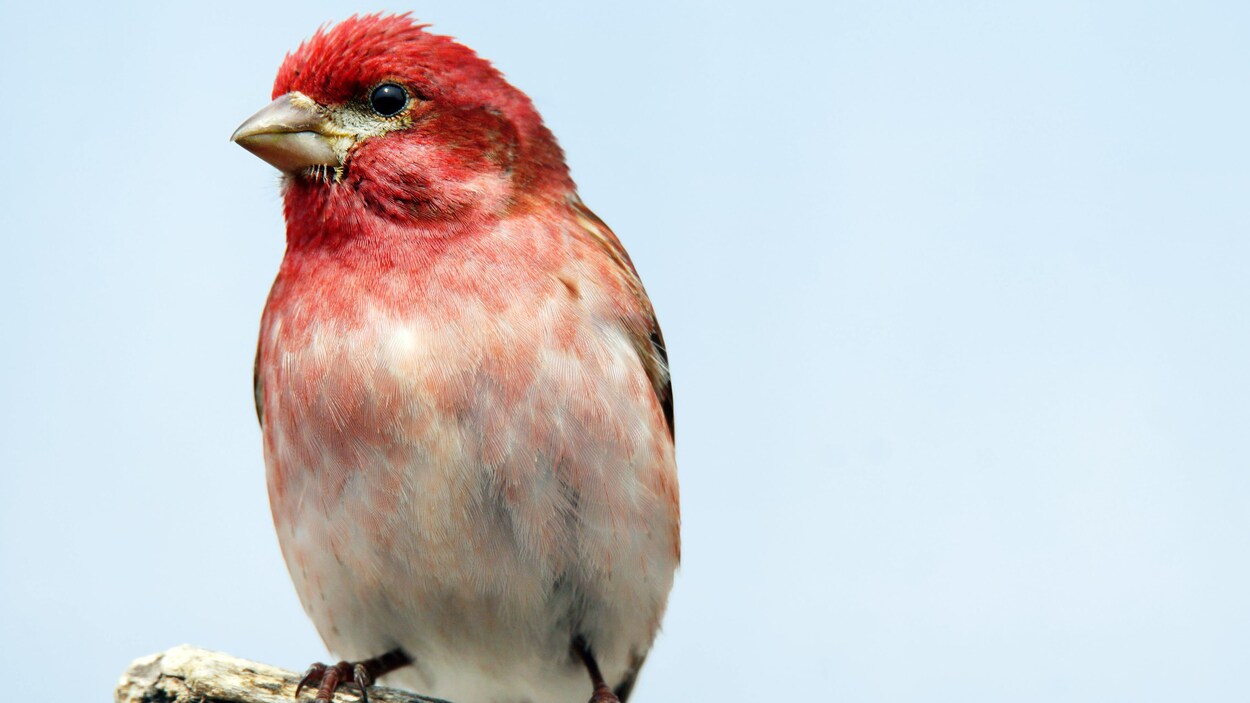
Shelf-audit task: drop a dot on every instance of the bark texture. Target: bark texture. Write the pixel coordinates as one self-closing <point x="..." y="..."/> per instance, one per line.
<point x="189" y="675"/>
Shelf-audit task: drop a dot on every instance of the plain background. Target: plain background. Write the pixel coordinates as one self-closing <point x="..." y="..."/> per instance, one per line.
<point x="956" y="296"/>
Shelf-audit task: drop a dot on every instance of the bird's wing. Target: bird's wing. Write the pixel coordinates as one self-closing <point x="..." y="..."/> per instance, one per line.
<point x="258" y="389"/>
<point x="645" y="332"/>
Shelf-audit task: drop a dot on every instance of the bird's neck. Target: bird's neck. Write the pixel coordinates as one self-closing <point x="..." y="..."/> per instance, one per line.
<point x="330" y="213"/>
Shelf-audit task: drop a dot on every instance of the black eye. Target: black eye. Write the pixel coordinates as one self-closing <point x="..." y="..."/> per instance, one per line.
<point x="388" y="99"/>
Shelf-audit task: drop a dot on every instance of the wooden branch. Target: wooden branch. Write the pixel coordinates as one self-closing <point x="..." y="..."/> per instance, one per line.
<point x="189" y="675"/>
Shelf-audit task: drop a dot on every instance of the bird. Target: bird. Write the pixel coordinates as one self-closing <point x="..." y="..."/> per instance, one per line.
<point x="464" y="395"/>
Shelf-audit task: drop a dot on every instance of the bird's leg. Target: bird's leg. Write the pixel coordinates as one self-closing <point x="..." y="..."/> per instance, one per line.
<point x="602" y="693"/>
<point x="362" y="674"/>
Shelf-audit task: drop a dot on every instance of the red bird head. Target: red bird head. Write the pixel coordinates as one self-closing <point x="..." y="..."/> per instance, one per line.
<point x="376" y="119"/>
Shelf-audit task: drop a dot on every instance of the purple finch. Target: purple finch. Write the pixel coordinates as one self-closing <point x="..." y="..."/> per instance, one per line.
<point x="463" y="391"/>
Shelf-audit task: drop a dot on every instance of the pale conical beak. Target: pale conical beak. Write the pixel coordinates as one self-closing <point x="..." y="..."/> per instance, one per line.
<point x="291" y="134"/>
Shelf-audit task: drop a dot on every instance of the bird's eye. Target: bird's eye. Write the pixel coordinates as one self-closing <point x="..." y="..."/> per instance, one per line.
<point x="388" y="99"/>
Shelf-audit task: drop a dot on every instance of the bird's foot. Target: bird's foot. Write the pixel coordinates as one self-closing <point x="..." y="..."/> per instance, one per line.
<point x="361" y="674"/>
<point x="603" y="694"/>
<point x="327" y="679"/>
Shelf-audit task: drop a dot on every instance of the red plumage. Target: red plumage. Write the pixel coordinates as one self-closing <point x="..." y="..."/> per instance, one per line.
<point x="464" y="393"/>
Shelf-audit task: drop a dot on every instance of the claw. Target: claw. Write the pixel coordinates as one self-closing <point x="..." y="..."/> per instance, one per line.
<point x="363" y="680"/>
<point x="312" y="677"/>
<point x="362" y="674"/>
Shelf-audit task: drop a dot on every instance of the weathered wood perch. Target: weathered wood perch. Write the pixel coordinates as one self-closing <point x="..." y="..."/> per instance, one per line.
<point x="190" y="675"/>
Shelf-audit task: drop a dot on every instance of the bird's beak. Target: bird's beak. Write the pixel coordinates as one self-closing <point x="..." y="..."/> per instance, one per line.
<point x="291" y="133"/>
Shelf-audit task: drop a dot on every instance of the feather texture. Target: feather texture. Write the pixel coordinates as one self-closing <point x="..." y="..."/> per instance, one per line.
<point x="463" y="391"/>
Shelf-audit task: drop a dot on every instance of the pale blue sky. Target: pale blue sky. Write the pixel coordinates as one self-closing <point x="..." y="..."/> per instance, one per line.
<point x="955" y="293"/>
